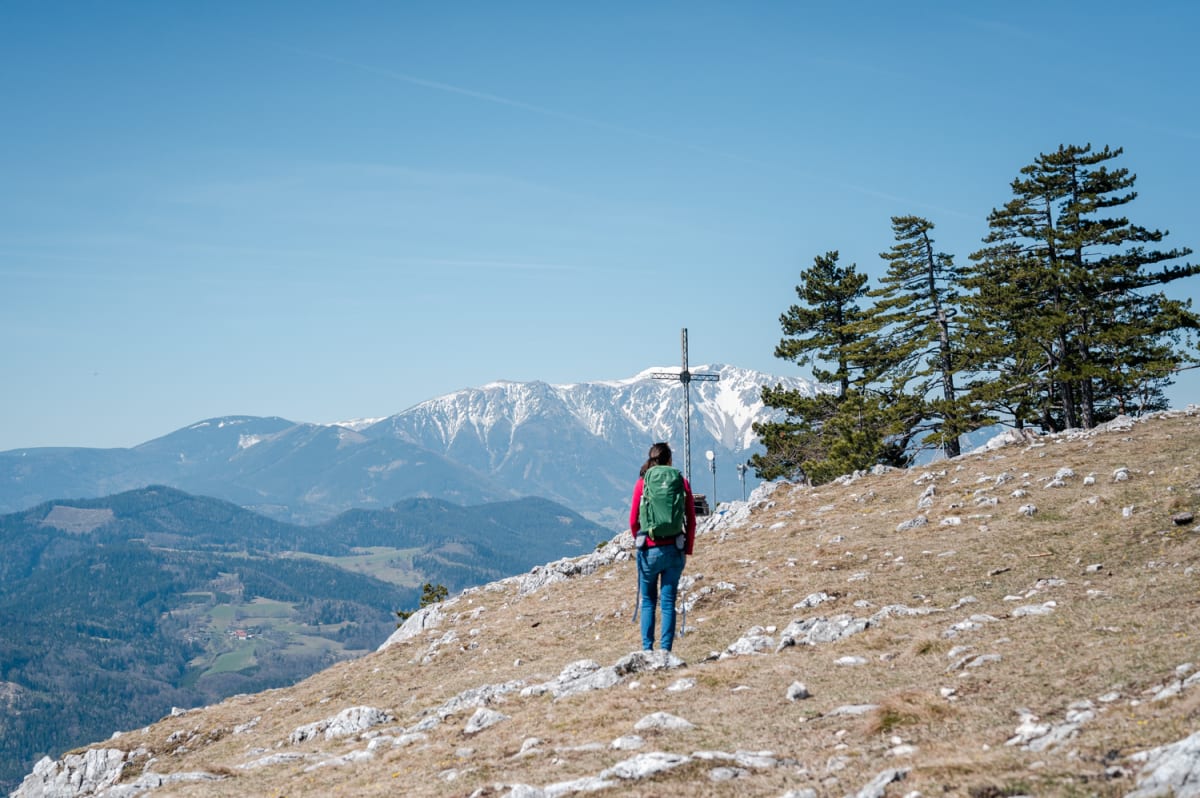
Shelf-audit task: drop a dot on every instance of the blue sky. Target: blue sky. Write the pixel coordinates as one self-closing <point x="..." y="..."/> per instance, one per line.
<point x="334" y="210"/>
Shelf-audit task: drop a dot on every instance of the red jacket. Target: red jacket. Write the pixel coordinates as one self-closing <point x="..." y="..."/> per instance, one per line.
<point x="635" y="525"/>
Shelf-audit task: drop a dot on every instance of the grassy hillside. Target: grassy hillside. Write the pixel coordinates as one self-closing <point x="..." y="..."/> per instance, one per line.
<point x="1030" y="636"/>
<point x="113" y="611"/>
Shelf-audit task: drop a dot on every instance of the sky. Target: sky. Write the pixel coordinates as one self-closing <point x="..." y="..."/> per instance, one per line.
<point x="329" y="211"/>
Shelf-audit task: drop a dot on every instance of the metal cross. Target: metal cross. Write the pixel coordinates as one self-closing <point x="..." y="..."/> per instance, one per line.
<point x="686" y="377"/>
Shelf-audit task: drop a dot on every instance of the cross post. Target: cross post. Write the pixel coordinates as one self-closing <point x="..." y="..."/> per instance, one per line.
<point x="686" y="377"/>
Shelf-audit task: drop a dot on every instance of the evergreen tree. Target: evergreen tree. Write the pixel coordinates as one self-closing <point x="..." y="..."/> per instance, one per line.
<point x="430" y="594"/>
<point x="915" y="348"/>
<point x="832" y="433"/>
<point x="1065" y="330"/>
<point x="824" y="330"/>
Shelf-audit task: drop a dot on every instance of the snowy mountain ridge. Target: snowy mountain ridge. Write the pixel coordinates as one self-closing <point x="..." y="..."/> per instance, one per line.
<point x="725" y="409"/>
<point x="581" y="443"/>
<point x="578" y="444"/>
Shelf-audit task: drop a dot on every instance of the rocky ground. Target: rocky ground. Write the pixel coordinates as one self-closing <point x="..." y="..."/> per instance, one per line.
<point x="1016" y="621"/>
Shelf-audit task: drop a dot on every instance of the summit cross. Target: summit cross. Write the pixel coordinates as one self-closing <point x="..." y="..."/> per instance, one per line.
<point x="686" y="377"/>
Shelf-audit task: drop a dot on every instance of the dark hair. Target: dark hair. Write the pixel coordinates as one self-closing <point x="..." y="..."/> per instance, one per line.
<point x="660" y="454"/>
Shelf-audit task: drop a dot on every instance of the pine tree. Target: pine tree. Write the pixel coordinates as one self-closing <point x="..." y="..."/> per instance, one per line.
<point x="823" y="329"/>
<point x="1063" y="329"/>
<point x="916" y="339"/>
<point x="831" y="433"/>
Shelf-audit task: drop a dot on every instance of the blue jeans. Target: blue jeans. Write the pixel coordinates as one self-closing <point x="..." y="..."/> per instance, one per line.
<point x="657" y="563"/>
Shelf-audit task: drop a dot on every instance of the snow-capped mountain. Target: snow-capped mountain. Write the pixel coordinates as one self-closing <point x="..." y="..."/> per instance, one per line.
<point x="582" y="444"/>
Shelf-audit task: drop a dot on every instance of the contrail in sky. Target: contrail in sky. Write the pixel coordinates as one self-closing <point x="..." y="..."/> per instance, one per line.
<point x="589" y="122"/>
<point x="524" y="106"/>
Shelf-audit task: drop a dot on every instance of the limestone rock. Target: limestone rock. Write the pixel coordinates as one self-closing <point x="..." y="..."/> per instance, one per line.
<point x="345" y="723"/>
<point x="482" y="719"/>
<point x="663" y="721"/>
<point x="1172" y="769"/>
<point x="74" y="774"/>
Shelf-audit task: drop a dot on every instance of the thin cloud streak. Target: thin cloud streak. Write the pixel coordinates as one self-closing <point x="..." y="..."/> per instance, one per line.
<point x="589" y="122"/>
<point x="524" y="106"/>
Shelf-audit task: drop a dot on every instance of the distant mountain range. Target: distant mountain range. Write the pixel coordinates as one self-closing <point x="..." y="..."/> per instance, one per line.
<point x="113" y="610"/>
<point x="579" y="445"/>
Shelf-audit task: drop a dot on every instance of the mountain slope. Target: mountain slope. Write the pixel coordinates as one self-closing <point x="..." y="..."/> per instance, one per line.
<point x="582" y="444"/>
<point x="579" y="445"/>
<point x="113" y="610"/>
<point x="998" y="624"/>
<point x="303" y="473"/>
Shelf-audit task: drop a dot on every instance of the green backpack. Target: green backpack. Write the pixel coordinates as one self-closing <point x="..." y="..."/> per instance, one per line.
<point x="662" y="514"/>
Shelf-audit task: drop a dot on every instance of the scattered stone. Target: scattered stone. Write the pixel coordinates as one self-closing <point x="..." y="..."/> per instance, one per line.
<point x="798" y="691"/>
<point x="644" y="765"/>
<point x="1034" y="609"/>
<point x="147" y="782"/>
<point x="477" y="697"/>
<point x="75" y="774"/>
<point x="578" y="677"/>
<point x="1027" y="509"/>
<point x="482" y="719"/>
<point x="811" y="631"/>
<point x="662" y="721"/>
<point x="877" y="787"/>
<point x="629" y="742"/>
<point x="1183" y="519"/>
<point x="275" y="759"/>
<point x="912" y="523"/>
<point x="852" y="709"/>
<point x="417" y="624"/>
<point x="1034" y="736"/>
<point x="242" y="728"/>
<point x="850" y="661"/>
<point x="1121" y="474"/>
<point x="647" y="661"/>
<point x="347" y="722"/>
<point x="755" y="641"/>
<point x="680" y="685"/>
<point x="1172" y="769"/>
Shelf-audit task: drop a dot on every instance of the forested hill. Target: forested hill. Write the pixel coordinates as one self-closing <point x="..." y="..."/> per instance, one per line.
<point x="115" y="610"/>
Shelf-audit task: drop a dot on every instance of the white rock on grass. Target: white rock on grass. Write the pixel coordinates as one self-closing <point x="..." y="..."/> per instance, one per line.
<point x="663" y="721"/>
<point x="798" y="691"/>
<point x="1034" y="609"/>
<point x="628" y="742"/>
<point x="347" y="722"/>
<point x="1172" y="769"/>
<point x="482" y="719"/>
<point x="877" y="787"/>
<point x="755" y="641"/>
<point x="644" y="765"/>
<point x="812" y="631"/>
<point x="812" y="600"/>
<point x="75" y="774"/>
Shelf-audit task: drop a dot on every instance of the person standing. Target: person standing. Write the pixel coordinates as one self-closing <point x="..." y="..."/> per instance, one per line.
<point x="663" y="523"/>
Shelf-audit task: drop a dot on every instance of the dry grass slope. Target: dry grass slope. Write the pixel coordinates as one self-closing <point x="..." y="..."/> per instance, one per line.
<point x="1116" y="589"/>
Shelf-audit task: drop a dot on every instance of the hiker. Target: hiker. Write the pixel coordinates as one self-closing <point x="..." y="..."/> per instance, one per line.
<point x="663" y="523"/>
